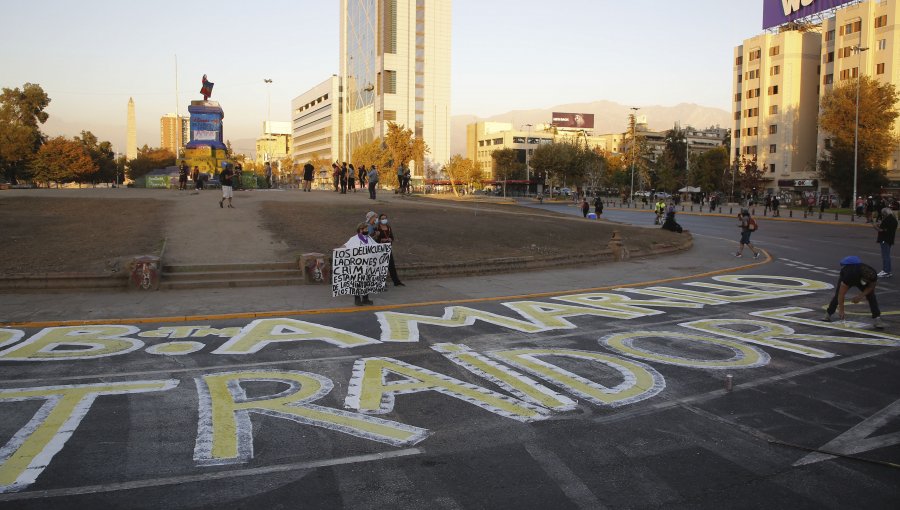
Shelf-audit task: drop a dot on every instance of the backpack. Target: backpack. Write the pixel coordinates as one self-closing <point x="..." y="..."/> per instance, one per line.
<point x="752" y="225"/>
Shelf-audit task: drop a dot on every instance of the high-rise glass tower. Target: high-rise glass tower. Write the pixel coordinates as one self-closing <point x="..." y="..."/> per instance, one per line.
<point x="395" y="67"/>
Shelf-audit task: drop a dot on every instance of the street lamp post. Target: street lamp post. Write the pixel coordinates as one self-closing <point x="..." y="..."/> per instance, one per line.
<point x="527" y="168"/>
<point x="633" y="143"/>
<point x="858" y="51"/>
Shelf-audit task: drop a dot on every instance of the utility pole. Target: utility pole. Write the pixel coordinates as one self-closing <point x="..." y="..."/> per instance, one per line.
<point x="858" y="51"/>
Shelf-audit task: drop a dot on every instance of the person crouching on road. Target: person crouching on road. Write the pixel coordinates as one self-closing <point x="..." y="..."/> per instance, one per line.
<point x="862" y="276"/>
<point x="748" y="226"/>
<point x="360" y="239"/>
<point x="385" y="235"/>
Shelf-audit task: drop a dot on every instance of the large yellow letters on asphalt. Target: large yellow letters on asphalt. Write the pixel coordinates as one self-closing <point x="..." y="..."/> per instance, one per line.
<point x="84" y="342"/>
<point x="224" y="431"/>
<point x="261" y="332"/>
<point x="32" y="448"/>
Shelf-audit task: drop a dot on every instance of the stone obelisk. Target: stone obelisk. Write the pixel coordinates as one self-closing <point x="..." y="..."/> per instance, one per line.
<point x="131" y="135"/>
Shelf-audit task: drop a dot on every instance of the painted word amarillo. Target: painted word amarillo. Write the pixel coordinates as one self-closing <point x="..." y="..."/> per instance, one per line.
<point x="529" y="383"/>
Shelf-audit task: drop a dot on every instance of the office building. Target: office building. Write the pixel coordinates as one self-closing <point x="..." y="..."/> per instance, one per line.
<point x="275" y="143"/>
<point x="315" y="123"/>
<point x="395" y="67"/>
<point x="174" y="133"/>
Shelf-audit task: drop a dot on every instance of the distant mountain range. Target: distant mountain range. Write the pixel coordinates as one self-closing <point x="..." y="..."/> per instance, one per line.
<point x="609" y="117"/>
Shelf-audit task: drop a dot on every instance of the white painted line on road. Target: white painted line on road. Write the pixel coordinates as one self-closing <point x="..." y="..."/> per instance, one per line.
<point x="222" y="475"/>
<point x="568" y="482"/>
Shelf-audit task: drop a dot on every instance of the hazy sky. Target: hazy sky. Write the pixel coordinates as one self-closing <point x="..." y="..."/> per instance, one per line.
<point x="91" y="56"/>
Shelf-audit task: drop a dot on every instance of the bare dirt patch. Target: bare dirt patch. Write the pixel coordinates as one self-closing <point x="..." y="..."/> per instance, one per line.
<point x="428" y="232"/>
<point x="88" y="235"/>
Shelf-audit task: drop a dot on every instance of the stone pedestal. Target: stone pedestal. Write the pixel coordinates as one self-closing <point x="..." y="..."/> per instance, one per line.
<point x="206" y="150"/>
<point x="316" y="269"/>
<point x="144" y="273"/>
<point x="617" y="247"/>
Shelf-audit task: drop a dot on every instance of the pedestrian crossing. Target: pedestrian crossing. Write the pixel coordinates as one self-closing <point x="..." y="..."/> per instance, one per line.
<point x="809" y="267"/>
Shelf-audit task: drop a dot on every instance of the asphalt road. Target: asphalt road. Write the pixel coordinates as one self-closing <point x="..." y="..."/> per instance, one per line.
<point x="592" y="399"/>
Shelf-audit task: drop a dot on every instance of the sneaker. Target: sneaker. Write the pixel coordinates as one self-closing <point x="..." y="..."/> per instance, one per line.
<point x="828" y="317"/>
<point x="738" y="255"/>
<point x="883" y="274"/>
<point x="756" y="255"/>
<point x="877" y="323"/>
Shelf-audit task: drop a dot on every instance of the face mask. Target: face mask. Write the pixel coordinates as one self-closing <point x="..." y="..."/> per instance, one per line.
<point x="384" y="221"/>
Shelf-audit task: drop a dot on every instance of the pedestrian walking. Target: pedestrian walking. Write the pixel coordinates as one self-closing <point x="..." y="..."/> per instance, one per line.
<point x="598" y="206"/>
<point x="400" y="178"/>
<point x="308" y="171"/>
<point x="406" y="178"/>
<point x="870" y="209"/>
<point x="238" y="176"/>
<point x="373" y="181"/>
<point x="268" y="174"/>
<point x="748" y="226"/>
<point x="887" y="231"/>
<point x="768" y="203"/>
<point x="776" y="204"/>
<point x="384" y="234"/>
<point x="195" y="176"/>
<point x="361" y="176"/>
<point x="227" y="180"/>
<point x="585" y="207"/>
<point x="342" y="177"/>
<point x="351" y="178"/>
<point x="336" y="176"/>
<point x="360" y="239"/>
<point x="862" y="276"/>
<point x="823" y="204"/>
<point x="182" y="175"/>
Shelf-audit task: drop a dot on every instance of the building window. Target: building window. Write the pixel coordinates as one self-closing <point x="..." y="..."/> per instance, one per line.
<point x="773" y="128"/>
<point x="845" y="74"/>
<point x="737" y="133"/>
<point x="772" y="168"/>
<point x="737" y="115"/>
<point x="752" y="131"/>
<point x="739" y="61"/>
<point x="390" y="115"/>
<point x="828" y="57"/>
<point x="773" y="90"/>
<point x="740" y="77"/>
<point x="773" y="110"/>
<point x="481" y="143"/>
<point x="390" y="82"/>
<point x="829" y="79"/>
<point x="750" y="150"/>
<point x="829" y="36"/>
<point x="882" y="44"/>
<point x="845" y="52"/>
<point x="881" y="21"/>
<point x="879" y="68"/>
<point x="498" y="141"/>
<point x="773" y="148"/>
<point x="851" y="28"/>
<point x="774" y="70"/>
<point x="774" y="50"/>
<point x="737" y="97"/>
<point x="389" y="28"/>
<point x="755" y="54"/>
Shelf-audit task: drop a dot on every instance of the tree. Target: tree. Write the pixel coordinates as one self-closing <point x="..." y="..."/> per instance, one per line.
<point x="635" y="151"/>
<point x="103" y="156"/>
<point x="554" y="161"/>
<point x="708" y="170"/>
<point x="61" y="160"/>
<point x="878" y="103"/>
<point x="149" y="159"/>
<point x="462" y="170"/>
<point x="371" y="153"/>
<point x="506" y="166"/>
<point x="402" y="148"/>
<point x="751" y="178"/>
<point x="20" y="136"/>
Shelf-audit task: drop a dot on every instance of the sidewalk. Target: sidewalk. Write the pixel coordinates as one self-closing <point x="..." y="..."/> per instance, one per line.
<point x="195" y="305"/>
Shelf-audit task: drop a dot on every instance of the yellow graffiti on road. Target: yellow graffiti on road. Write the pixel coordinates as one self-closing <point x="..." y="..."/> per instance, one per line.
<point x="32" y="448"/>
<point x="225" y="433"/>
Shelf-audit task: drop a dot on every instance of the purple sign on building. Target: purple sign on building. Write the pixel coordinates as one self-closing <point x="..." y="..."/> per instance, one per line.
<point x="779" y="12"/>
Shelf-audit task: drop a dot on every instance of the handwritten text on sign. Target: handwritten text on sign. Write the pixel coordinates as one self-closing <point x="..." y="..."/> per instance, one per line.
<point x="361" y="270"/>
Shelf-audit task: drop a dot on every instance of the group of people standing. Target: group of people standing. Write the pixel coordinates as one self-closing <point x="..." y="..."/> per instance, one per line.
<point x="345" y="177"/>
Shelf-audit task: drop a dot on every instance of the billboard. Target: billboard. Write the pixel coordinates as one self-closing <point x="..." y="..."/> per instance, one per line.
<point x="573" y="120"/>
<point x="779" y="12"/>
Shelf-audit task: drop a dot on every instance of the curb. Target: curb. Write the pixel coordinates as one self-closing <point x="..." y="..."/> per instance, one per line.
<point x="83" y="281"/>
<point x="722" y="215"/>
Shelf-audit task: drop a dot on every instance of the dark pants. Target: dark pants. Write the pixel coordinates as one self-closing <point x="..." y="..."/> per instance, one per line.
<point x="343" y="185"/>
<point x="392" y="270"/>
<point x="873" y="301"/>
<point x="372" y="190"/>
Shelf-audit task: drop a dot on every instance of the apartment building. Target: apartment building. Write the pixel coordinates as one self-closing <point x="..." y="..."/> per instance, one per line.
<point x="315" y="123"/>
<point x="775" y="106"/>
<point x="174" y="132"/>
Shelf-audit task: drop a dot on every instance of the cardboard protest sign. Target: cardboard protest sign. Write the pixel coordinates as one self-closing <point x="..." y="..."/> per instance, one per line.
<point x="360" y="270"/>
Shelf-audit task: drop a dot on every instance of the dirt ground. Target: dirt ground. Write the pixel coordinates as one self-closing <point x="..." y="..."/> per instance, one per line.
<point x="85" y="233"/>
<point x="88" y="235"/>
<point x="429" y="231"/>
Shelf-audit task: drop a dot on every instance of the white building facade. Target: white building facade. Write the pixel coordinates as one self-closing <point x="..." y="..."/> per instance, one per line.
<point x="315" y="123"/>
